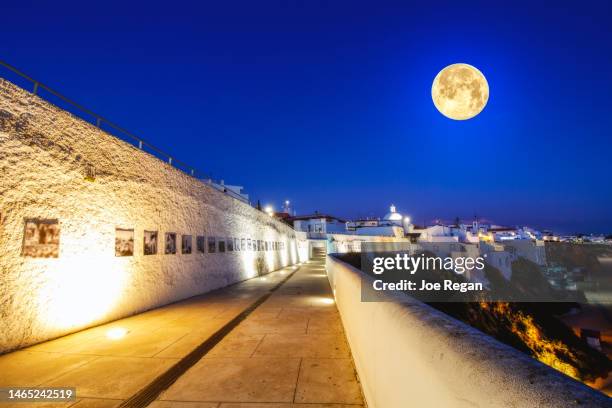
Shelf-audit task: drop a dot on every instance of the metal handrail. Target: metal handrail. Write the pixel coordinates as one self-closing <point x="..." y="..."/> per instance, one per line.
<point x="101" y="120"/>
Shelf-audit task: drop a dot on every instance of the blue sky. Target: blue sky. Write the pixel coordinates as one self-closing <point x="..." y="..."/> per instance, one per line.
<point x="328" y="103"/>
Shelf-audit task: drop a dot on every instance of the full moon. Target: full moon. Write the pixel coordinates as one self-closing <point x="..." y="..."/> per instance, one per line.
<point x="460" y="91"/>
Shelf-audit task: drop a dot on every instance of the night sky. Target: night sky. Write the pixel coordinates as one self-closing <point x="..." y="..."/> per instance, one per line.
<point x="328" y="104"/>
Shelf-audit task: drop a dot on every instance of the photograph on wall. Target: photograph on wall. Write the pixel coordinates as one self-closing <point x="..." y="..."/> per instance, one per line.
<point x="150" y="242"/>
<point x="41" y="238"/>
<point x="124" y="242"/>
<point x="170" y="243"/>
<point x="201" y="244"/>
<point x="186" y="244"/>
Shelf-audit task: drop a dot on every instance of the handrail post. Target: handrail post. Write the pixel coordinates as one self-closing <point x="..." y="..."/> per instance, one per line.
<point x="170" y="160"/>
<point x="191" y="172"/>
<point x="98" y="121"/>
<point x="35" y="90"/>
<point x="140" y="144"/>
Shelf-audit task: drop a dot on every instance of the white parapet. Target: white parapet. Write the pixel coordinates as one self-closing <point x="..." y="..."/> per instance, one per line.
<point x="408" y="354"/>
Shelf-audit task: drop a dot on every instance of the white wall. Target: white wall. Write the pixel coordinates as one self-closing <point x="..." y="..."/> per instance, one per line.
<point x="343" y="243"/>
<point x="408" y="354"/>
<point x="44" y="152"/>
<point x="388" y="231"/>
<point x="533" y="251"/>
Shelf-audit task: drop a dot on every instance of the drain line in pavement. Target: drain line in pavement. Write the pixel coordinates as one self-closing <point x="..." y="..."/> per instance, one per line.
<point x="151" y="391"/>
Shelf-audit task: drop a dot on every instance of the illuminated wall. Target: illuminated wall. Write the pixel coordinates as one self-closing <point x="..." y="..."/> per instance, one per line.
<point x="47" y="157"/>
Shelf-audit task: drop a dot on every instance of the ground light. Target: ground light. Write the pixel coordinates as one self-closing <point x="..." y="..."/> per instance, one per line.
<point x="116" y="333"/>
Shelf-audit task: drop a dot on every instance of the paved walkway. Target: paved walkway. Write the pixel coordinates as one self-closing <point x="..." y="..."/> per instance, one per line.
<point x="289" y="352"/>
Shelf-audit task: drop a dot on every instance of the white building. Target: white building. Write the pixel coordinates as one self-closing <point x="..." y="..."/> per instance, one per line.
<point x="318" y="225"/>
<point x="392" y="224"/>
<point x="368" y="222"/>
<point x="436" y="233"/>
<point x="533" y="251"/>
<point x="383" y="230"/>
<point x="231" y="190"/>
<point x="495" y="255"/>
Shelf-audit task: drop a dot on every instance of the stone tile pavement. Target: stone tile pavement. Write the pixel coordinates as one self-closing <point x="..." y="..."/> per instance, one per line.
<point x="289" y="352"/>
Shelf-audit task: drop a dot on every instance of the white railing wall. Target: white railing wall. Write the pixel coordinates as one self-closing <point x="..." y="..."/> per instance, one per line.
<point x="408" y="354"/>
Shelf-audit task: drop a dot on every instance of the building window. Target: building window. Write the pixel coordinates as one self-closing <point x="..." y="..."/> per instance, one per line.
<point x="201" y="244"/>
<point x="237" y="244"/>
<point x="243" y="244"/>
<point x="170" y="243"/>
<point x="230" y="244"/>
<point x="212" y="245"/>
<point x="186" y="244"/>
<point x="221" y="245"/>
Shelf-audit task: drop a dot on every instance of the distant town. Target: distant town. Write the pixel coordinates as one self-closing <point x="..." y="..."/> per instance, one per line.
<point x="396" y="225"/>
<point x="500" y="245"/>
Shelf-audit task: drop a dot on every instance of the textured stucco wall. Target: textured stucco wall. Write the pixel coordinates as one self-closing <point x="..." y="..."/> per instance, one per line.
<point x="408" y="354"/>
<point x="44" y="152"/>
